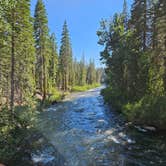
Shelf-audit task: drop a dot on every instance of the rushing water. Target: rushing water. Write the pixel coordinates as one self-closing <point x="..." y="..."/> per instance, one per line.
<point x="86" y="133"/>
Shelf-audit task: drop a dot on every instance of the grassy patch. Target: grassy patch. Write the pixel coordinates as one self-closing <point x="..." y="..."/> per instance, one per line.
<point x="54" y="96"/>
<point x="84" y="88"/>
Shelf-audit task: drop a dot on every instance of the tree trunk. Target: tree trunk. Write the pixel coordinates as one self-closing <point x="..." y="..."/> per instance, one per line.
<point x="44" y="77"/>
<point x="145" y="25"/>
<point x="12" y="64"/>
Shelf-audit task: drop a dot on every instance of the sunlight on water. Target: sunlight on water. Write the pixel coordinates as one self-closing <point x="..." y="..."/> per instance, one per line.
<point x="86" y="133"/>
<point x="114" y="139"/>
<point x="42" y="158"/>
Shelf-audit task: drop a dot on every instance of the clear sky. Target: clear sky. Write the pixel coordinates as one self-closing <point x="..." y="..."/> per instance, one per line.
<point x="83" y="17"/>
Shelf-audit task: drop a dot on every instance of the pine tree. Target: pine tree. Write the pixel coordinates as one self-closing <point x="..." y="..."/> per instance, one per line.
<point x="4" y="55"/>
<point x="99" y="75"/>
<point x="157" y="70"/>
<point x="91" y="73"/>
<point x="18" y="36"/>
<point x="141" y="25"/>
<point x="65" y="59"/>
<point x="82" y="71"/>
<point x="73" y="73"/>
<point x="136" y="62"/>
<point x="53" y="64"/>
<point x="42" y="54"/>
<point x="125" y="14"/>
<point x="139" y="22"/>
<point x="27" y="51"/>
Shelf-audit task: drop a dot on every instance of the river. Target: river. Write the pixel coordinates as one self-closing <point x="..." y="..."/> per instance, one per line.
<point x="85" y="132"/>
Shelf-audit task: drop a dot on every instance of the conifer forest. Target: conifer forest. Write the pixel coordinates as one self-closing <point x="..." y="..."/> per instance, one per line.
<point x="58" y="108"/>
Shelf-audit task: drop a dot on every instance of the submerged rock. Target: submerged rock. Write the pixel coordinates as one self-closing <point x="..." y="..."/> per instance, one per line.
<point x="140" y="129"/>
<point x="150" y="128"/>
<point x="54" y="102"/>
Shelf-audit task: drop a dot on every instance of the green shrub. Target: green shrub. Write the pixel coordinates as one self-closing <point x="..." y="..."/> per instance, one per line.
<point x="55" y="95"/>
<point x="113" y="97"/>
<point x="150" y="110"/>
<point x="14" y="130"/>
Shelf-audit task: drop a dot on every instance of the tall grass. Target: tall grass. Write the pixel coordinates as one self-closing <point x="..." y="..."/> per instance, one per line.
<point x="84" y="88"/>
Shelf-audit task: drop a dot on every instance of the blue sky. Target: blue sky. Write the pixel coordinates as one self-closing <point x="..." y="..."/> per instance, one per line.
<point x="83" y="17"/>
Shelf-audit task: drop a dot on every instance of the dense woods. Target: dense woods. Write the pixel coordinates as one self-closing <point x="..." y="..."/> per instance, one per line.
<point x="30" y="62"/>
<point x="35" y="73"/>
<point x="135" y="57"/>
<point x="32" y="72"/>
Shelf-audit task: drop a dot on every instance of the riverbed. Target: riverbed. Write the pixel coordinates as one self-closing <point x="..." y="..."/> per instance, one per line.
<point x="86" y="132"/>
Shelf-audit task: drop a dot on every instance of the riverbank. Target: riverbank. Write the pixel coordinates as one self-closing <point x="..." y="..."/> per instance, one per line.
<point x="14" y="132"/>
<point x="20" y="140"/>
<point x="81" y="131"/>
<point x="57" y="95"/>
<point x="148" y="112"/>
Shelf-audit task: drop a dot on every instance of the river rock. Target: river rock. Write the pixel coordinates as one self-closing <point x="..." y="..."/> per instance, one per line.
<point x="54" y="102"/>
<point x="109" y="132"/>
<point x="150" y="128"/>
<point x="128" y="124"/>
<point x="140" y="129"/>
<point x="39" y="96"/>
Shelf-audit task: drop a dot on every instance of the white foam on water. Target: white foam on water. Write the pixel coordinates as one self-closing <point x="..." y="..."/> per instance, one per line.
<point x="44" y="158"/>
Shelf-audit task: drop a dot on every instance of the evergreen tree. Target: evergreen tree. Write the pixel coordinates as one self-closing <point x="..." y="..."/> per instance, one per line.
<point x="135" y="62"/>
<point x="65" y="59"/>
<point x="53" y="64"/>
<point x="42" y="52"/>
<point x="25" y="52"/>
<point x="82" y="72"/>
<point x="125" y="14"/>
<point x="4" y="55"/>
<point x="91" y="73"/>
<point x="157" y="70"/>
<point x="99" y="75"/>
<point x="17" y="41"/>
<point x="139" y="22"/>
<point x="75" y="72"/>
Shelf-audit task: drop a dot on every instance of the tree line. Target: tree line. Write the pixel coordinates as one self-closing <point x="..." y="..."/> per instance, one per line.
<point x="29" y="58"/>
<point x="135" y="57"/>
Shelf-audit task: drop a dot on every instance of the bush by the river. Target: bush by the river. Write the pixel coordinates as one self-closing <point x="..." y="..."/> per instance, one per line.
<point x="15" y="130"/>
<point x="149" y="110"/>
